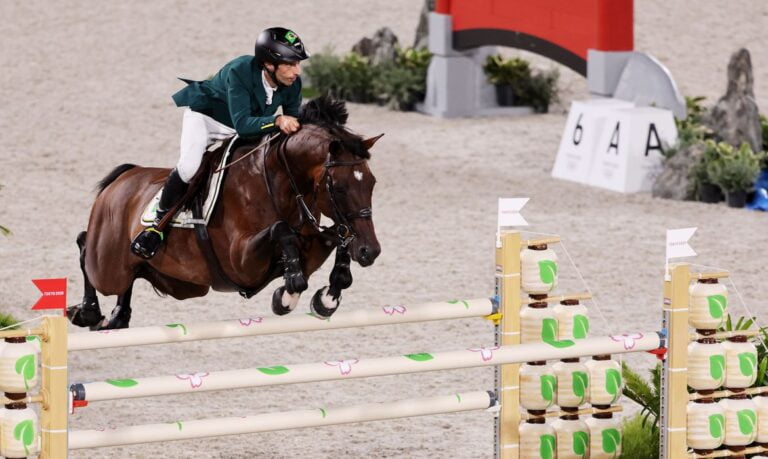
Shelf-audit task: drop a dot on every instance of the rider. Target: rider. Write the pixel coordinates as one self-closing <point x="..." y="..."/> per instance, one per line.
<point x="241" y="99"/>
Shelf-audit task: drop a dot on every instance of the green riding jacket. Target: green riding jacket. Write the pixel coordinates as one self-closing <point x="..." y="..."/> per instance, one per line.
<point x="235" y="96"/>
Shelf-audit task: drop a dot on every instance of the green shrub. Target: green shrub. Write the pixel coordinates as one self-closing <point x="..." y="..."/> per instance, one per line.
<point x="352" y="77"/>
<point x="734" y="169"/>
<point x="646" y="394"/>
<point x="639" y="442"/>
<point x="764" y="126"/>
<point x="535" y="89"/>
<point x="6" y="320"/>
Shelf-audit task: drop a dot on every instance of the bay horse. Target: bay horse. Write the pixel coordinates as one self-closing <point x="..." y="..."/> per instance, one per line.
<point x="266" y="224"/>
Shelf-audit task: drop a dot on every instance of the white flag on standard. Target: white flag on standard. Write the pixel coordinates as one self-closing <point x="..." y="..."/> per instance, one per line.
<point x="509" y="215"/>
<point x="677" y="243"/>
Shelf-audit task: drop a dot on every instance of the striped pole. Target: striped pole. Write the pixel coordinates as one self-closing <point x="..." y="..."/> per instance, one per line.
<point x="362" y="368"/>
<point x="150" y="433"/>
<point x="255" y="326"/>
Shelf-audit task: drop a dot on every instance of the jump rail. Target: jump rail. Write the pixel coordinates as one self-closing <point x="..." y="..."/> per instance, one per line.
<point x="257" y="326"/>
<point x="363" y="368"/>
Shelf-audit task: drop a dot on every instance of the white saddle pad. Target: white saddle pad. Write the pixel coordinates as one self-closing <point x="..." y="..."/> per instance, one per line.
<point x="184" y="218"/>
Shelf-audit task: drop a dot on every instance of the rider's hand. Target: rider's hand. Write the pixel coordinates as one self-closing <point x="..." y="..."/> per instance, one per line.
<point x="287" y="124"/>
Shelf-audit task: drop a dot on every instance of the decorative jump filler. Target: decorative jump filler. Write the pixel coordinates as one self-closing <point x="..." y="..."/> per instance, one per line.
<point x="542" y="342"/>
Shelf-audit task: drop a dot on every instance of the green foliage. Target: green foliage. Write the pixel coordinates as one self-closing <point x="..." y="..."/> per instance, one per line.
<point x="745" y="323"/>
<point x="513" y="72"/>
<point x="646" y="394"/>
<point x="535" y="89"/>
<point x="764" y="128"/>
<point x="689" y="130"/>
<point x="7" y="320"/>
<point x="639" y="442"/>
<point x="398" y="85"/>
<point x="733" y="169"/>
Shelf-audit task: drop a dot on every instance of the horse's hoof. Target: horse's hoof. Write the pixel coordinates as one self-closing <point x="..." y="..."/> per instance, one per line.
<point x="284" y="302"/>
<point x="120" y="318"/>
<point x="324" y="305"/>
<point x="85" y="314"/>
<point x="295" y="282"/>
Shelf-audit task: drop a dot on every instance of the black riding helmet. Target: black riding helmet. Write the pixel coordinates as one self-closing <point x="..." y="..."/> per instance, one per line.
<point x="279" y="45"/>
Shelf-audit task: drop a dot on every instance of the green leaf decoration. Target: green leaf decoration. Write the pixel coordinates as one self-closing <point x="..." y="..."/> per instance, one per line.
<point x="122" y="382"/>
<point x="33" y="338"/>
<point x="613" y="383"/>
<point x="611" y="440"/>
<point x="183" y="328"/>
<point x="547" y="446"/>
<point x="274" y="371"/>
<point x="580" y="384"/>
<point x="421" y="357"/>
<point x="466" y="304"/>
<point x="548" y="387"/>
<point x="548" y="330"/>
<point x="580" y="443"/>
<point x="717" y="367"/>
<point x="717" y="305"/>
<point x="25" y="366"/>
<point x="25" y="433"/>
<point x="580" y="326"/>
<point x="323" y="412"/>
<point x="717" y="425"/>
<point x="747" y="363"/>
<point x="563" y="343"/>
<point x="458" y="398"/>
<point x="747" y="421"/>
<point x="179" y="425"/>
<point x="548" y="271"/>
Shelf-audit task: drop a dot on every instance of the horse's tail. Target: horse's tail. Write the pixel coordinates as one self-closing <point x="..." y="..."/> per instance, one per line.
<point x="112" y="176"/>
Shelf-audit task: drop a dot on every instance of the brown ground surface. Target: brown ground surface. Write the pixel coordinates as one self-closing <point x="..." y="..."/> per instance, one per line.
<point x="86" y="85"/>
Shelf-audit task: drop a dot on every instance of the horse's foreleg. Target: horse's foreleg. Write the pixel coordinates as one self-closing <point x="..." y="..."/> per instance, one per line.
<point x="285" y="298"/>
<point x="121" y="315"/>
<point x="326" y="300"/>
<point x="87" y="313"/>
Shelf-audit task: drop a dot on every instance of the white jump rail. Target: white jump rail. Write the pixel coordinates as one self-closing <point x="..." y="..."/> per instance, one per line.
<point x="362" y="368"/>
<point x="150" y="433"/>
<point x="258" y="325"/>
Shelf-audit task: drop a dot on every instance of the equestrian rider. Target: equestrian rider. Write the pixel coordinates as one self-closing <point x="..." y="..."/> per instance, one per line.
<point x="241" y="99"/>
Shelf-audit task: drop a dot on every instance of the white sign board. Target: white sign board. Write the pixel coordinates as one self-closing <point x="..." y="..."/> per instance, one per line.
<point x="582" y="132"/>
<point x="628" y="152"/>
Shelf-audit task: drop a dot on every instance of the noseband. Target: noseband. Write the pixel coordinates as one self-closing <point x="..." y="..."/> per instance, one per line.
<point x="342" y="229"/>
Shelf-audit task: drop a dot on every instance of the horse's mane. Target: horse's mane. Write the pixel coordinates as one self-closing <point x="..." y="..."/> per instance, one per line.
<point x="331" y="114"/>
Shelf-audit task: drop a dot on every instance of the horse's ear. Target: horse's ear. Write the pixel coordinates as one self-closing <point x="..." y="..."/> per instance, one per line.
<point x="368" y="143"/>
<point x="335" y="148"/>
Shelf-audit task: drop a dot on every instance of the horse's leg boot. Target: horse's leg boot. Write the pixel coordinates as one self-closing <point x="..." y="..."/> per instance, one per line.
<point x="85" y="314"/>
<point x="326" y="300"/>
<point x="295" y="282"/>
<point x="148" y="242"/>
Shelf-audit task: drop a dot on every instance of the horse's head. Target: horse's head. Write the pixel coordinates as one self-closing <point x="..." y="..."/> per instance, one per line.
<point x="345" y="191"/>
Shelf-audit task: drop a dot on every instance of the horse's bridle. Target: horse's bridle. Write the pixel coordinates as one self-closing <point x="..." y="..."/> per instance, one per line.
<point x="342" y="229"/>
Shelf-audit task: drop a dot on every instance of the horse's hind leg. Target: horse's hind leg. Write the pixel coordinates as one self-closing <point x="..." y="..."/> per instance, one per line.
<point x="87" y="313"/>
<point x="326" y="300"/>
<point x="121" y="314"/>
<point x="285" y="298"/>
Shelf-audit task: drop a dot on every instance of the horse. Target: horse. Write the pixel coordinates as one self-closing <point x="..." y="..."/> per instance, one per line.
<point x="266" y="224"/>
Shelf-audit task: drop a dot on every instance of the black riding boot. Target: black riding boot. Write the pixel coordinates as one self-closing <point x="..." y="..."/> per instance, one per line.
<point x="147" y="243"/>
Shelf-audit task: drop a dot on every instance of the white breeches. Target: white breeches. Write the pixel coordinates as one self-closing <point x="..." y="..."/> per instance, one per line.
<point x="198" y="131"/>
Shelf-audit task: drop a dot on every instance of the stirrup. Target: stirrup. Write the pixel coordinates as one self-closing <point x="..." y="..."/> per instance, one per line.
<point x="147" y="243"/>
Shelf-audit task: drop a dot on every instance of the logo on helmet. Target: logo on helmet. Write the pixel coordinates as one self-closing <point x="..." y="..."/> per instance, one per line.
<point x="290" y="36"/>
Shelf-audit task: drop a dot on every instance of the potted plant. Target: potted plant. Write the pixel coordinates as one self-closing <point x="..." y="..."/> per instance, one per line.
<point x="510" y="76"/>
<point x="706" y="189"/>
<point x="734" y="170"/>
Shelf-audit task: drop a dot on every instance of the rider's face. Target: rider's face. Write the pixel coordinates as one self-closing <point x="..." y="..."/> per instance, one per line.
<point x="286" y="73"/>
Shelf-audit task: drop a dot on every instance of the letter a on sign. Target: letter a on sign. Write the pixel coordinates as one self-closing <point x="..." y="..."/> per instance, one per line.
<point x="615" y="140"/>
<point x="54" y="294"/>
<point x="653" y="136"/>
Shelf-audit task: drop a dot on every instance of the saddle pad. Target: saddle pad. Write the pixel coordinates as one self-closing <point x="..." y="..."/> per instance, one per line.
<point x="184" y="218"/>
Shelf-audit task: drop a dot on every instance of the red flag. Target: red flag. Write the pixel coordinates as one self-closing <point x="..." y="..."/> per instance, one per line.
<point x="54" y="294"/>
